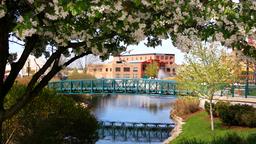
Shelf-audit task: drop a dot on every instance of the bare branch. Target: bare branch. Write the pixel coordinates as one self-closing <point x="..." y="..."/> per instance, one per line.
<point x="16" y="43"/>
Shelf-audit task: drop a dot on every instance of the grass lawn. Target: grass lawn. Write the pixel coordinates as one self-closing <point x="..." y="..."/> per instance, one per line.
<point x="198" y="126"/>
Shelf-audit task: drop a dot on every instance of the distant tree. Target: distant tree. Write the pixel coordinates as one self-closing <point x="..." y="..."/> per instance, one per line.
<point x="205" y="72"/>
<point x="152" y="69"/>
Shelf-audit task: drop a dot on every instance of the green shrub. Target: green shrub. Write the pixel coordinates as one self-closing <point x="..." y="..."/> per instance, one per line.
<point x="238" y="115"/>
<point x="186" y="105"/>
<point x="49" y="118"/>
<point x="229" y="138"/>
<point x="215" y="107"/>
<point x="235" y="115"/>
<point x="207" y="108"/>
<point x="192" y="141"/>
<point x="251" y="139"/>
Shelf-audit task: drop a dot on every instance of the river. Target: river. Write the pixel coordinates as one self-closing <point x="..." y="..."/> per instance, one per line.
<point x="132" y="108"/>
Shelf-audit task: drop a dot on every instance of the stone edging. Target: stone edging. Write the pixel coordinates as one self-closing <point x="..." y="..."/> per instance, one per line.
<point x="177" y="129"/>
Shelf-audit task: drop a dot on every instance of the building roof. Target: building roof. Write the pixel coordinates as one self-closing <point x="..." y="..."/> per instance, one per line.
<point x="147" y="54"/>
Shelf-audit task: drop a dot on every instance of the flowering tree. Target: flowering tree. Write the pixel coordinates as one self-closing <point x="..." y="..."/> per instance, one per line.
<point x="73" y="28"/>
<point x="101" y="27"/>
<point x="205" y="72"/>
<point x="152" y="69"/>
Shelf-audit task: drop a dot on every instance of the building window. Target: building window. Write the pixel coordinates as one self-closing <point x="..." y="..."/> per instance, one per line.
<point x="118" y="69"/>
<point x="135" y="69"/>
<point x="126" y="69"/>
<point x="100" y="69"/>
<point x="166" y="57"/>
<point x="170" y="57"/>
<point x="94" y="69"/>
<point x="157" y="57"/>
<point x="110" y="69"/>
<point x="168" y="69"/>
<point x="162" y="57"/>
<point x="140" y="58"/>
<point x="171" y="62"/>
<point x="106" y="69"/>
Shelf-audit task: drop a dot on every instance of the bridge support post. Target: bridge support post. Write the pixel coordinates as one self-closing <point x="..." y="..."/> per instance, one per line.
<point x="71" y="86"/>
<point x="91" y="82"/>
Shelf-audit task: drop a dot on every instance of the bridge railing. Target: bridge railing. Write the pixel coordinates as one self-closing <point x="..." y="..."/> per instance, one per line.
<point x="134" y="131"/>
<point x="137" y="86"/>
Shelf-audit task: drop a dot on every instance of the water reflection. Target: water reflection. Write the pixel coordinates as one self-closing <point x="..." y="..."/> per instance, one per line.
<point x="132" y="108"/>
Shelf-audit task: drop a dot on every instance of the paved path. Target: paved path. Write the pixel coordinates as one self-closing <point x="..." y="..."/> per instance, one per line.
<point x="236" y="100"/>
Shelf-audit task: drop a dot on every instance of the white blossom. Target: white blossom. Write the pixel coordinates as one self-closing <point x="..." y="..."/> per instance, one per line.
<point x="34" y="23"/>
<point x="20" y="19"/>
<point x="31" y="1"/>
<point x="145" y="2"/>
<point x="41" y="8"/>
<point x="118" y="5"/>
<point x="2" y="13"/>
<point x="51" y="17"/>
<point x="28" y="32"/>
<point x="139" y="35"/>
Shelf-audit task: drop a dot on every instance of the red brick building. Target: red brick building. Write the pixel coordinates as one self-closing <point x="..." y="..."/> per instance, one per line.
<point x="133" y="66"/>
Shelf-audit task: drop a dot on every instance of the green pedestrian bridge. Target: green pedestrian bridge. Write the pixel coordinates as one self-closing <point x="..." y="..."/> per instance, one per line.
<point x="118" y="86"/>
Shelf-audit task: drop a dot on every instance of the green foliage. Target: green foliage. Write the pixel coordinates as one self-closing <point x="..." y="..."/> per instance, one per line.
<point x="152" y="69"/>
<point x="238" y="115"/>
<point x="216" y="107"/>
<point x="185" y="105"/>
<point x="197" y="127"/>
<point x="191" y="141"/>
<point x="50" y="118"/>
<point x="77" y="75"/>
<point x="205" y="71"/>
<point x="229" y="138"/>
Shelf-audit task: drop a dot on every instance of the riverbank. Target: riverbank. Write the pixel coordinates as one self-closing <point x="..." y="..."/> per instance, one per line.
<point x="197" y="126"/>
<point x="177" y="129"/>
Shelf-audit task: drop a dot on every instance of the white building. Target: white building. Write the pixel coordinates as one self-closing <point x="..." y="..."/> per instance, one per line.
<point x="32" y="65"/>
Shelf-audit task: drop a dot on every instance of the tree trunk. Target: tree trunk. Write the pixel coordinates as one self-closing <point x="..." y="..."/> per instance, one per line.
<point x="211" y="115"/>
<point x="1" y="127"/>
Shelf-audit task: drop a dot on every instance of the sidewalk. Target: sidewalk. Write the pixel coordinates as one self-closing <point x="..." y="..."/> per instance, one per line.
<point x="236" y="99"/>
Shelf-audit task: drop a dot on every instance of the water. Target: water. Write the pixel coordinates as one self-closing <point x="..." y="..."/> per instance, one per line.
<point x="132" y="108"/>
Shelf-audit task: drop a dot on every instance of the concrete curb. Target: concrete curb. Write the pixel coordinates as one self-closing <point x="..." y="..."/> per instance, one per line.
<point x="177" y="129"/>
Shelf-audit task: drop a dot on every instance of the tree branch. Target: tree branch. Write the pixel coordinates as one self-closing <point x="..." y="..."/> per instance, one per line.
<point x="29" y="95"/>
<point x="48" y="63"/>
<point x="16" y="67"/>
<point x="16" y="43"/>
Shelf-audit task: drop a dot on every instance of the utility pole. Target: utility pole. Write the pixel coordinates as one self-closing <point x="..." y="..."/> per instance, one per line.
<point x="247" y="79"/>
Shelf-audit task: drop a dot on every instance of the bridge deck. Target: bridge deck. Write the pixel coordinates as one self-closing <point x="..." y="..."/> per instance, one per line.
<point x="135" y="86"/>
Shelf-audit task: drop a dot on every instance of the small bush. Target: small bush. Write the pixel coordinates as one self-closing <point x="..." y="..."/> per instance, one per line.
<point x="186" y="105"/>
<point x="215" y="107"/>
<point x="229" y="138"/>
<point x="192" y="141"/>
<point x="251" y="139"/>
<point x="48" y="119"/>
<point x="238" y="115"/>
